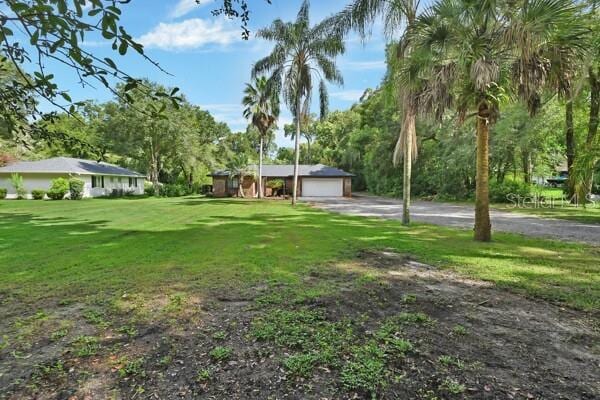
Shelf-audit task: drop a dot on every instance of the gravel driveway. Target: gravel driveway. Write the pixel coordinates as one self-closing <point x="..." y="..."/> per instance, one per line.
<point x="461" y="216"/>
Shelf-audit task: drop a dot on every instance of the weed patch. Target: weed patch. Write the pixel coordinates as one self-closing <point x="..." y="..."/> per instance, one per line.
<point x="86" y="346"/>
<point x="221" y="353"/>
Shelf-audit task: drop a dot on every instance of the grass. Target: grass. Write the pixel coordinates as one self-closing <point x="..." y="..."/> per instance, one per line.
<point x="588" y="215"/>
<point x="107" y="249"/>
<point x="552" y="203"/>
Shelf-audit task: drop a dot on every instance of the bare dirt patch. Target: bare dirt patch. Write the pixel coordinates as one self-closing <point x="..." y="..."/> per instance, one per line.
<point x="383" y="325"/>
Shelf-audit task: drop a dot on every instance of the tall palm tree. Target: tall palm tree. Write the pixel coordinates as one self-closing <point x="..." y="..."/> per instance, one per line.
<point x="308" y="124"/>
<point x="555" y="61"/>
<point x="360" y="15"/>
<point x="301" y="54"/>
<point x="478" y="52"/>
<point x="262" y="108"/>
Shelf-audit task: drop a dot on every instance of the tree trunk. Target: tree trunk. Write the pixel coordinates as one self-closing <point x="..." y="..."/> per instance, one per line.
<point x="409" y="126"/>
<point x="297" y="155"/>
<point x="153" y="165"/>
<point x="260" y="165"/>
<point x="526" y="167"/>
<point x="570" y="143"/>
<point x="590" y="152"/>
<point x="594" y="78"/>
<point x="483" y="226"/>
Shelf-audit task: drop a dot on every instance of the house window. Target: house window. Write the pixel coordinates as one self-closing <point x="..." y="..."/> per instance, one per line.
<point x="119" y="179"/>
<point x="133" y="182"/>
<point x="233" y="183"/>
<point x="97" y="181"/>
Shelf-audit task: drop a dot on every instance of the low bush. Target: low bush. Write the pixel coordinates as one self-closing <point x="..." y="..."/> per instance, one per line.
<point x="59" y="188"/>
<point x="174" y="190"/>
<point x="3" y="192"/>
<point x="116" y="193"/>
<point x="38" y="194"/>
<point x="499" y="192"/>
<point x="149" y="189"/>
<point x="76" y="188"/>
<point x="275" y="184"/>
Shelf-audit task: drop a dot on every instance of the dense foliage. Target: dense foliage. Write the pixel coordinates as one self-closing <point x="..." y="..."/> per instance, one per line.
<point x="76" y="187"/>
<point x="542" y="98"/>
<point x="58" y="189"/>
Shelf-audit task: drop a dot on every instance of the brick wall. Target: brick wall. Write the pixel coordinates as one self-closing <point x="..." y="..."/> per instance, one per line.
<point x="219" y="186"/>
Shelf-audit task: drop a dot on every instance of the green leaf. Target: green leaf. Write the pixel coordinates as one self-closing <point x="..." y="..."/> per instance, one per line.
<point x="62" y="6"/>
<point x="66" y="96"/>
<point x="123" y="48"/>
<point x="19" y="7"/>
<point x="34" y="37"/>
<point x="110" y="62"/>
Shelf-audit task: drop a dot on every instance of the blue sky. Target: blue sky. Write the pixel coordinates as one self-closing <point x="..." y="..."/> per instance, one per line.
<point x="210" y="63"/>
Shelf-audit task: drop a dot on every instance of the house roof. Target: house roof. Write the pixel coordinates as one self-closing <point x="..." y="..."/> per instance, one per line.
<point x="69" y="166"/>
<point x="285" y="170"/>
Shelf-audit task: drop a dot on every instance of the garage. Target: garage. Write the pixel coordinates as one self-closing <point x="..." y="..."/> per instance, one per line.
<point x="322" y="187"/>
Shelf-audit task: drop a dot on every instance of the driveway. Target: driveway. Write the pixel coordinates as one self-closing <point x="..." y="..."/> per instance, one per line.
<point x="461" y="216"/>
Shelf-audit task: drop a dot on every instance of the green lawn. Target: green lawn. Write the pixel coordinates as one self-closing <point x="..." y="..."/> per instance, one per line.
<point x="99" y="248"/>
<point x="552" y="203"/>
<point x="588" y="215"/>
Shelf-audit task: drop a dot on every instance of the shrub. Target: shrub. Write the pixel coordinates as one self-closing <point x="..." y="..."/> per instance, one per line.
<point x="38" y="194"/>
<point x="275" y="184"/>
<point x="3" y="192"/>
<point x="116" y="193"/>
<point x="149" y="189"/>
<point x="59" y="188"/>
<point x="76" y="188"/>
<point x="174" y="190"/>
<point x="17" y="182"/>
<point x="499" y="192"/>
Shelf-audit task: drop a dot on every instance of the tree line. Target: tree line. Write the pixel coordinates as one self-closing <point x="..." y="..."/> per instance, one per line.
<point x="457" y="65"/>
<point x="473" y="92"/>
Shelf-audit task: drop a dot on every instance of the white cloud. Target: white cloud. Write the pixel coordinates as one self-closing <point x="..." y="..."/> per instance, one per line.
<point x="230" y="113"/>
<point x="190" y="34"/>
<point x="365" y="65"/>
<point x="184" y="7"/>
<point x="348" y="95"/>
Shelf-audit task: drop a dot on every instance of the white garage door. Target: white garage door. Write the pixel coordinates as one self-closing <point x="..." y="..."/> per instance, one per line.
<point x="322" y="187"/>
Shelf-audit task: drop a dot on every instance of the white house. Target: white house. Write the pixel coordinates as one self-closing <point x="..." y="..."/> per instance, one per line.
<point x="100" y="178"/>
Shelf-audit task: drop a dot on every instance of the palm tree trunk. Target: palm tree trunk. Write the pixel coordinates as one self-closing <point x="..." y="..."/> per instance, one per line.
<point x="585" y="187"/>
<point x="594" y="79"/>
<point x="483" y="226"/>
<point x="570" y="144"/>
<point x="260" y="165"/>
<point x="297" y="155"/>
<point x="409" y="126"/>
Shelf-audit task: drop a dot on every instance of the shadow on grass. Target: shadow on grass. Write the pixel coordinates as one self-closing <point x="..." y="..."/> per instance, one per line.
<point x="42" y="256"/>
